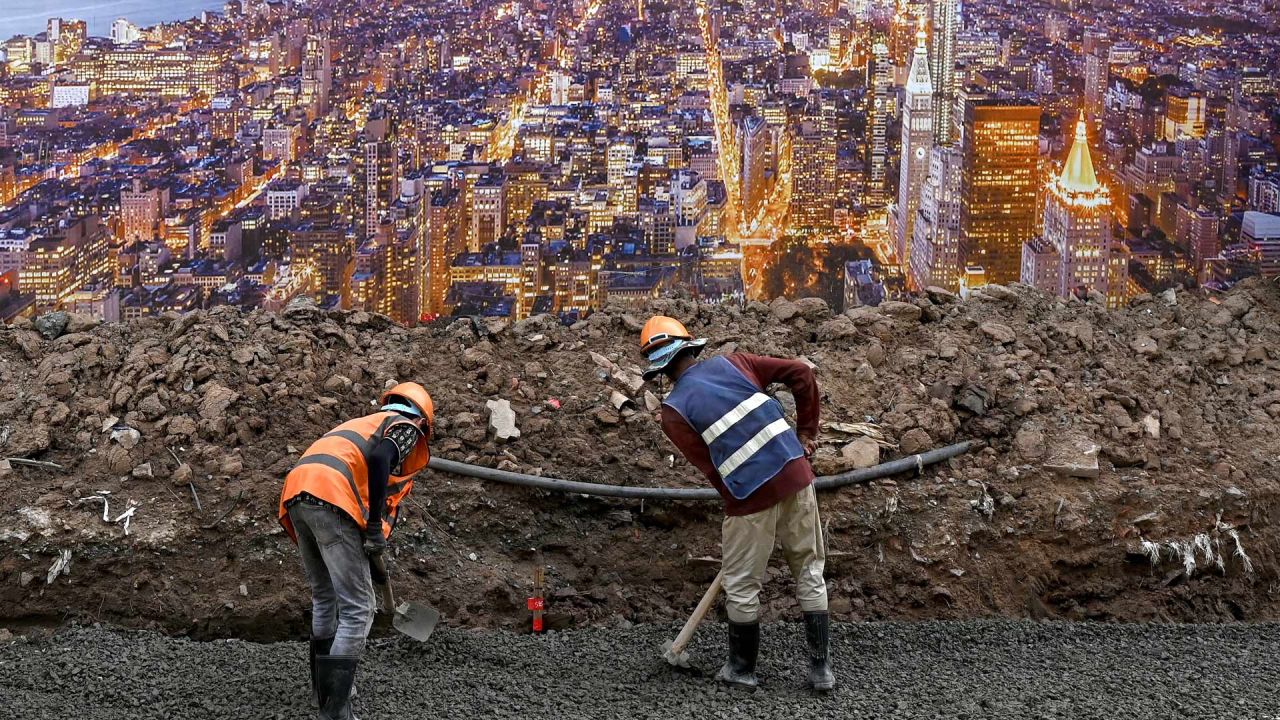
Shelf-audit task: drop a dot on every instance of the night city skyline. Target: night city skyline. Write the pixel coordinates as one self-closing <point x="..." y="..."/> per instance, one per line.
<point x="631" y="359"/>
<point x="514" y="158"/>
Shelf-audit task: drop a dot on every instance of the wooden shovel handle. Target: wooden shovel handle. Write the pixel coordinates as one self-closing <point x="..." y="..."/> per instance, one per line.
<point x="691" y="625"/>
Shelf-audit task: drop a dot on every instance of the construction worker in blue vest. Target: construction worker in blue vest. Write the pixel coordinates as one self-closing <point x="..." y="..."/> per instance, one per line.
<point x="720" y="418"/>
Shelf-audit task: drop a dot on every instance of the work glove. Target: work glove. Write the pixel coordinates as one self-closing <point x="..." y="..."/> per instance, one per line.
<point x="377" y="570"/>
<point x="374" y="543"/>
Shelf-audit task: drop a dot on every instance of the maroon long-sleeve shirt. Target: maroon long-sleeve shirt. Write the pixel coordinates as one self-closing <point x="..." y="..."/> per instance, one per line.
<point x="795" y="475"/>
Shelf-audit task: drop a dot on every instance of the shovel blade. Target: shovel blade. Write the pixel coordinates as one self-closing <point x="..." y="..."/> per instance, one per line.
<point x="676" y="659"/>
<point x="416" y="620"/>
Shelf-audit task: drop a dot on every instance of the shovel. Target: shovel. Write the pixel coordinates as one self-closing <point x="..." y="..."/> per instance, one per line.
<point x="416" y="620"/>
<point x="673" y="650"/>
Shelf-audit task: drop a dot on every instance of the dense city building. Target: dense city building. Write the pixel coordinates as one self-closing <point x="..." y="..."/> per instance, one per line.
<point x="1073" y="258"/>
<point x="945" y="23"/>
<point x="505" y="157"/>
<point x="917" y="139"/>
<point x="935" y="256"/>
<point x="880" y="109"/>
<point x="999" y="183"/>
<point x="1260" y="236"/>
<point x="813" y="176"/>
<point x="159" y="72"/>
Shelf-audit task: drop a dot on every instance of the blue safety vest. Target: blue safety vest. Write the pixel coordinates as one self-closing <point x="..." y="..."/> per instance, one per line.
<point x="749" y="437"/>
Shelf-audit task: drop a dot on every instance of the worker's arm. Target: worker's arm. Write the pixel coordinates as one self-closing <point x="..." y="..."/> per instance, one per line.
<point x="688" y="441"/>
<point x="798" y="377"/>
<point x="384" y="457"/>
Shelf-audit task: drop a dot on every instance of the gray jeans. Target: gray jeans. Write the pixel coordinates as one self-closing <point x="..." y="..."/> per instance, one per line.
<point x="342" y="599"/>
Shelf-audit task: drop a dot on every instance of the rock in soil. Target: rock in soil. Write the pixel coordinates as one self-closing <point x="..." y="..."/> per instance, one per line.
<point x="861" y="453"/>
<point x="223" y="403"/>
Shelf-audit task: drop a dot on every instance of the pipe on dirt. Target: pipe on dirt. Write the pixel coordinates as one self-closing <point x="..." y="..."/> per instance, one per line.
<point x="827" y="482"/>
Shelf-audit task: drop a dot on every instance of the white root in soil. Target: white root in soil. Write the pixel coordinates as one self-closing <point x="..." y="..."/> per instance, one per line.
<point x="1203" y="550"/>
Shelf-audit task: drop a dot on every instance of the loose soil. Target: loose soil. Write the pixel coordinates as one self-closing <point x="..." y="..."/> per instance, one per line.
<point x="1179" y="394"/>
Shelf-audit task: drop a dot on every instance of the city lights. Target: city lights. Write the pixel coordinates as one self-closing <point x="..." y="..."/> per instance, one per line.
<point x="512" y="157"/>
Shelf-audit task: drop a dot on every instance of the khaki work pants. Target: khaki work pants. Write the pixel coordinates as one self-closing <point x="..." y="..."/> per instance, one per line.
<point x="747" y="543"/>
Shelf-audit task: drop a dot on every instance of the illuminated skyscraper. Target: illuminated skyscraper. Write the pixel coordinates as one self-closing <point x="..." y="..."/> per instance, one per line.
<point x="1097" y="72"/>
<point x="64" y="256"/>
<point x="619" y="157"/>
<point x="877" y="145"/>
<point x="385" y="280"/>
<point x="1196" y="232"/>
<point x="999" y="184"/>
<point x="813" y="176"/>
<point x="1184" y="114"/>
<point x="465" y="177"/>
<point x="525" y="186"/>
<point x="658" y="223"/>
<point x="935" y="245"/>
<point x="317" y="75"/>
<point x="141" y="210"/>
<point x="376" y="184"/>
<point x="488" y="211"/>
<point x="1074" y="257"/>
<point x="942" y="68"/>
<point x="320" y="245"/>
<point x="444" y="241"/>
<point x="917" y="138"/>
<point x="689" y="205"/>
<point x="370" y="273"/>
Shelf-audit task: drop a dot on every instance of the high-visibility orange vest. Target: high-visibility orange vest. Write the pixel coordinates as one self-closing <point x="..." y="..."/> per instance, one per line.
<point x="335" y="469"/>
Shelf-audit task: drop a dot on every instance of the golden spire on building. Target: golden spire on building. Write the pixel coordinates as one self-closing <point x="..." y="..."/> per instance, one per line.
<point x="1077" y="174"/>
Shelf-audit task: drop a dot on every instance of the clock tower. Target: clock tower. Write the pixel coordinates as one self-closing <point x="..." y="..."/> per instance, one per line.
<point x="917" y="139"/>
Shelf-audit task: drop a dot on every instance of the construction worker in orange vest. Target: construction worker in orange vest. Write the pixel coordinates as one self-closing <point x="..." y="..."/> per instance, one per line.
<point x="720" y="418"/>
<point x="339" y="504"/>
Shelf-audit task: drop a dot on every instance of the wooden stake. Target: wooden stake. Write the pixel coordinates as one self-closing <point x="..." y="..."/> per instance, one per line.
<point x="537" y="603"/>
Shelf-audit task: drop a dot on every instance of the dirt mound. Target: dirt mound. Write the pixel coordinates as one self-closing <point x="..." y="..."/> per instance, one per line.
<point x="1129" y="463"/>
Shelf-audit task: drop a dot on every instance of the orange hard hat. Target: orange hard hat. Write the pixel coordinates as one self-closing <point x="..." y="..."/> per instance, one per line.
<point x="661" y="330"/>
<point x="411" y="396"/>
<point x="662" y="340"/>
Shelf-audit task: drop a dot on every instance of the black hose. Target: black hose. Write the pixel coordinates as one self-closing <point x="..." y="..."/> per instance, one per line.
<point x="827" y="482"/>
<point x="893" y="467"/>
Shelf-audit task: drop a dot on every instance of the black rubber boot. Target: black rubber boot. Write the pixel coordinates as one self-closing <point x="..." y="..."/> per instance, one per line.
<point x="744" y="647"/>
<point x="817" y="635"/>
<point x="335" y="675"/>
<point x="319" y="646"/>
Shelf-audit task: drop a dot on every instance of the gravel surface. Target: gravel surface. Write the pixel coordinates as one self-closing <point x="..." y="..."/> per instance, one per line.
<point x="987" y="669"/>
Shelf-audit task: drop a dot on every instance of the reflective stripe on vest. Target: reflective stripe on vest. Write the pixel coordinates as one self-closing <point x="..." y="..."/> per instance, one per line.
<point x="335" y="469"/>
<point x="334" y="463"/>
<point x="732" y="417"/>
<point x="752" y="446"/>
<point x="746" y="433"/>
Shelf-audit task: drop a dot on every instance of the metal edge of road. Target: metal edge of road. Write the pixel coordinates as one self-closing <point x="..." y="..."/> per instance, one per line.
<point x="914" y="463"/>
